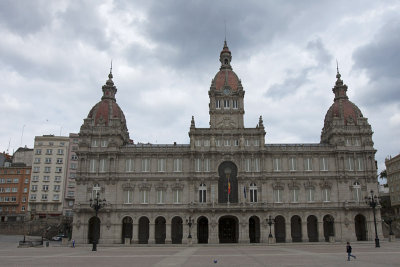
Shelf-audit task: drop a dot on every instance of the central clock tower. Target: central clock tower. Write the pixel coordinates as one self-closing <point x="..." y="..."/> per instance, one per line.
<point x="226" y="96"/>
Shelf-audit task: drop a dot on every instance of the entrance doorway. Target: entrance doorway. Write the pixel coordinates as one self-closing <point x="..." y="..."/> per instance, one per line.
<point x="202" y="230"/>
<point x="94" y="230"/>
<point x="360" y="225"/>
<point x="254" y="229"/>
<point x="280" y="229"/>
<point x="160" y="230"/>
<point x="328" y="227"/>
<point x="295" y="223"/>
<point x="312" y="228"/>
<point x="176" y="230"/>
<point x="227" y="183"/>
<point x="228" y="229"/>
<point x="127" y="226"/>
<point x="143" y="233"/>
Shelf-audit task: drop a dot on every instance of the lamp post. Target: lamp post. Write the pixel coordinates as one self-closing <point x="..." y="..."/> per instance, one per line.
<point x="270" y="221"/>
<point x="189" y="223"/>
<point x="96" y="204"/>
<point x="372" y="201"/>
<point x="389" y="221"/>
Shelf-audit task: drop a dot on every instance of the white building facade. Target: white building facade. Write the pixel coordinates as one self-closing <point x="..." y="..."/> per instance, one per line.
<point x="227" y="181"/>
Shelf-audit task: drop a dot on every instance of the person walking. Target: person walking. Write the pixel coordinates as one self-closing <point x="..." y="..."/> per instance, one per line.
<point x="348" y="250"/>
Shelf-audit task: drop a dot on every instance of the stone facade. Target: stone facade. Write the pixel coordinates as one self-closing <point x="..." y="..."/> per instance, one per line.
<point x="227" y="184"/>
<point x="393" y="180"/>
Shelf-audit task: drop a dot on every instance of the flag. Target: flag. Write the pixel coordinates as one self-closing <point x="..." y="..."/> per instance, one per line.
<point x="229" y="188"/>
<point x="244" y="191"/>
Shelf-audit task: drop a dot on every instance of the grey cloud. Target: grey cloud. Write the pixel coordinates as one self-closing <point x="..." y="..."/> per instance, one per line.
<point x="320" y="53"/>
<point x="381" y="61"/>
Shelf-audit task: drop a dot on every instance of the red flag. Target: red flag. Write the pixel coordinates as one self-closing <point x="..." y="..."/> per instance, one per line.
<point x="229" y="188"/>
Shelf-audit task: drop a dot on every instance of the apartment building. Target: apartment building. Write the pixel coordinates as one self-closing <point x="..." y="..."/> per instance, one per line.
<point x="72" y="166"/>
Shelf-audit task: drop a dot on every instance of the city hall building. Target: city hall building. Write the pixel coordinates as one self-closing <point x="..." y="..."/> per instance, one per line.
<point x="227" y="185"/>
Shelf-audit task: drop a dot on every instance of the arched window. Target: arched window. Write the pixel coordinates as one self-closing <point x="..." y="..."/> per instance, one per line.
<point x="202" y="193"/>
<point x="357" y="191"/>
<point x="253" y="193"/>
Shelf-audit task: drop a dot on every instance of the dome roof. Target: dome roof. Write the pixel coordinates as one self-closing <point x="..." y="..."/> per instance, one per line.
<point x="342" y="108"/>
<point x="105" y="110"/>
<point x="226" y="77"/>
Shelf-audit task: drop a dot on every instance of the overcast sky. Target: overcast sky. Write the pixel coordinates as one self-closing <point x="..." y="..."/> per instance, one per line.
<point x="55" y="56"/>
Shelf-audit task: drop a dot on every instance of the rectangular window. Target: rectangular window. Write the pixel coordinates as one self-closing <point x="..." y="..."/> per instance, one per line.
<point x="45" y="187"/>
<point x="59" y="160"/>
<point x="16" y="181"/>
<point x="161" y="165"/>
<point x="49" y="151"/>
<point x="47" y="169"/>
<point x="46" y="178"/>
<point x="247" y="142"/>
<point x="292" y="164"/>
<point x="74" y="166"/>
<point x="257" y="165"/>
<point x="218" y="142"/>
<point x="202" y="196"/>
<point x="227" y="142"/>
<point x="247" y="165"/>
<point x="104" y="143"/>
<point x="128" y="197"/>
<point x="57" y="178"/>
<point x="323" y="164"/>
<point x="36" y="169"/>
<point x="308" y="164"/>
<point x="207" y="142"/>
<point x="144" y="197"/>
<point x="160" y="196"/>
<point x="60" y="151"/>
<point x="350" y="164"/>
<point x="25" y="190"/>
<point x="177" y="196"/>
<point x="218" y="104"/>
<point x="74" y="157"/>
<point x="37" y="160"/>
<point x="177" y="165"/>
<point x="310" y="194"/>
<point x="253" y="195"/>
<point x="38" y="151"/>
<point x="57" y="188"/>
<point x="102" y="166"/>
<point x="129" y="165"/>
<point x="58" y="169"/>
<point x="95" y="143"/>
<point x="326" y="195"/>
<point x="33" y="196"/>
<point x="278" y="195"/>
<point x="226" y="103"/>
<point x="295" y="195"/>
<point x="235" y="104"/>
<point x="236" y="142"/>
<point x="14" y="190"/>
<point x="357" y="141"/>
<point x="348" y="141"/>
<point x="197" y="165"/>
<point x="145" y="165"/>
<point x="56" y="197"/>
<point x="360" y="164"/>
<point x="47" y="160"/>
<point x="277" y="164"/>
<point x="26" y="181"/>
<point x="207" y="165"/>
<point x="198" y="143"/>
<point x="256" y="142"/>
<point x="35" y="178"/>
<point x="44" y="196"/>
<point x="92" y="167"/>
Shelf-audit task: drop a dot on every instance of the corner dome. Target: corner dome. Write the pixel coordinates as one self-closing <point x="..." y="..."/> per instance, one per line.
<point x="104" y="111"/>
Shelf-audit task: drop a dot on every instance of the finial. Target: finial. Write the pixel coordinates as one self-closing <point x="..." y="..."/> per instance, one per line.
<point x="225" y="29"/>
<point x="110" y="75"/>
<point x="337" y="70"/>
<point x="192" y="124"/>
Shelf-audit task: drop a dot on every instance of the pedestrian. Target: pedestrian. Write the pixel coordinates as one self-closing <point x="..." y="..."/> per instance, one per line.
<point x="73" y="243"/>
<point x="348" y="250"/>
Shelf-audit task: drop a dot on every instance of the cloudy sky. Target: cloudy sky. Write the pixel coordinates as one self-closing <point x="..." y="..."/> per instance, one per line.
<point x="55" y="56"/>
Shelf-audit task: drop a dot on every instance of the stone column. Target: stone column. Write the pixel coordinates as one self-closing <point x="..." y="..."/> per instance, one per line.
<point x="244" y="233"/>
<point x="264" y="231"/>
<point x="194" y="233"/>
<point x="152" y="230"/>
<point x="288" y="232"/>
<point x="321" y="237"/>
<point x="135" y="234"/>
<point x="213" y="233"/>
<point x="168" y="239"/>
<point x="304" y="232"/>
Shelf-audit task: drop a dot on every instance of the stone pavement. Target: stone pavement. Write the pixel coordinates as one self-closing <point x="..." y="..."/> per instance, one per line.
<point x="304" y="254"/>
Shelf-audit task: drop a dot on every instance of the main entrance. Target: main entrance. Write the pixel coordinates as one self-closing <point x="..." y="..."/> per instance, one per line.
<point x="228" y="229"/>
<point x="94" y="230"/>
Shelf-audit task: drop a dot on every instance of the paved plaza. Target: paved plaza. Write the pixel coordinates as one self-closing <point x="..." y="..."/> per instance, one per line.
<point x="315" y="254"/>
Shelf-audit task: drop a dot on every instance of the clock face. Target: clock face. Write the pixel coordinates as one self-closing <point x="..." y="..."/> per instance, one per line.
<point x="226" y="91"/>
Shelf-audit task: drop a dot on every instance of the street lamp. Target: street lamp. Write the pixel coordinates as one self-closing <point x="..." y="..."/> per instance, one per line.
<point x="270" y="221"/>
<point x="189" y="223"/>
<point x="372" y="201"/>
<point x="96" y="204"/>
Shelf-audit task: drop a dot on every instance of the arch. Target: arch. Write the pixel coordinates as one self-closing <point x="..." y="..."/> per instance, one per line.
<point x="160" y="230"/>
<point x="94" y="230"/>
<point x="360" y="227"/>
<point x="295" y="224"/>
<point x="227" y="183"/>
<point x="202" y="230"/>
<point x="280" y="229"/>
<point x="228" y="229"/>
<point x="143" y="233"/>
<point x="329" y="229"/>
<point x="312" y="228"/>
<point x="127" y="227"/>
<point x="254" y="229"/>
<point x="176" y="230"/>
